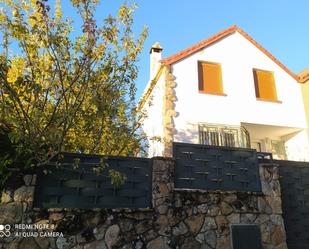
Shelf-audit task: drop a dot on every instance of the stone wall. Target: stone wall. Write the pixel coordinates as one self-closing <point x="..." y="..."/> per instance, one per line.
<point x="168" y="111"/>
<point x="184" y="219"/>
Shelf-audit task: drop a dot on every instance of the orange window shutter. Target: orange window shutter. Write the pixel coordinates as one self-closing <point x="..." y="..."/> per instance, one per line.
<point x="265" y="85"/>
<point x="212" y="80"/>
<point x="200" y="76"/>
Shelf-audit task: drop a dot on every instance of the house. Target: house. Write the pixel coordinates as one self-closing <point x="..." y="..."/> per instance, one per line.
<point x="226" y="90"/>
<point x="304" y="78"/>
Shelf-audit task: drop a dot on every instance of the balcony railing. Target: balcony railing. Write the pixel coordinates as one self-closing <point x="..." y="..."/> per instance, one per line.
<point x="224" y="136"/>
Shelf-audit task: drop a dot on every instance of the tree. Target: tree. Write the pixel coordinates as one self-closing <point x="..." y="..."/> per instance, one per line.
<point x="60" y="92"/>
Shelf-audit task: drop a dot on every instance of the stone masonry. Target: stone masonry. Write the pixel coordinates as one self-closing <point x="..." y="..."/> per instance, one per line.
<point x="169" y="111"/>
<point x="184" y="219"/>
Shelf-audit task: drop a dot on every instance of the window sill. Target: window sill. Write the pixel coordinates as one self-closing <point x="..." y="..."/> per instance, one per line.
<point x="269" y="100"/>
<point x="217" y="94"/>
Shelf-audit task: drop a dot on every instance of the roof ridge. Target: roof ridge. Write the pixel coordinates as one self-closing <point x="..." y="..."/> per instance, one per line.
<point x="216" y="37"/>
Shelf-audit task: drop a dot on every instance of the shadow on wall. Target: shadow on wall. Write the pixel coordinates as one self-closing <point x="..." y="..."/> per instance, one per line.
<point x="296" y="146"/>
<point x="189" y="135"/>
<point x="153" y="145"/>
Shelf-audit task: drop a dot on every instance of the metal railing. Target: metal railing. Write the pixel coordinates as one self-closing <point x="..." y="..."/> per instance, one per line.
<point x="224" y="136"/>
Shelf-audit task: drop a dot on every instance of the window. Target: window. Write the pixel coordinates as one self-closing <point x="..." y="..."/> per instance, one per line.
<point x="257" y="146"/>
<point x="223" y="136"/>
<point x="265" y="87"/>
<point x="210" y="79"/>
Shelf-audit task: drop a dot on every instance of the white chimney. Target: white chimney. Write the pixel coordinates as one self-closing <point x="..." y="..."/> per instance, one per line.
<point x="155" y="57"/>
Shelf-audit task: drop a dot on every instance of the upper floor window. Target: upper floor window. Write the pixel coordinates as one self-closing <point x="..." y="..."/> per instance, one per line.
<point x="210" y="78"/>
<point x="265" y="87"/>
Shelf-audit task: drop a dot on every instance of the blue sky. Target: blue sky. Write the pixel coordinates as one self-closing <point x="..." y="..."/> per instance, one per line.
<point x="280" y="26"/>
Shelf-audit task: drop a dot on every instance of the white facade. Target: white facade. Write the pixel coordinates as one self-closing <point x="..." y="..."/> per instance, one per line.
<point x="153" y="123"/>
<point x="270" y="124"/>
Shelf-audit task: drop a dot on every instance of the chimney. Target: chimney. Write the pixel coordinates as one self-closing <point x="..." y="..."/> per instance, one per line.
<point x="155" y="57"/>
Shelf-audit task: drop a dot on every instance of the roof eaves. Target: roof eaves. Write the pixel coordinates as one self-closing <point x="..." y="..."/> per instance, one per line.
<point x="273" y="58"/>
<point x="304" y="75"/>
<point x="304" y="78"/>
<point x="186" y="52"/>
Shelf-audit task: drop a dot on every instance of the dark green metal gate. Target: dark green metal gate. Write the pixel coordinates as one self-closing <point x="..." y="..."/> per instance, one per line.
<point x="294" y="180"/>
<point x="209" y="167"/>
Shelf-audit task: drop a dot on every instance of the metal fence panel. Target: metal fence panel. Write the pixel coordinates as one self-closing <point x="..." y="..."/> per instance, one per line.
<point x="294" y="181"/>
<point x="66" y="187"/>
<point x="216" y="168"/>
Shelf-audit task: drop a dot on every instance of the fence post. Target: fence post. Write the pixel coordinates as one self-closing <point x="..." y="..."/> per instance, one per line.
<point x="162" y="183"/>
<point x="271" y="189"/>
<point x="269" y="176"/>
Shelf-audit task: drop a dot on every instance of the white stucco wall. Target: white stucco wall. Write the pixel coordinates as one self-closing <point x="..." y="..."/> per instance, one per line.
<point x="153" y="124"/>
<point x="297" y="147"/>
<point x="237" y="57"/>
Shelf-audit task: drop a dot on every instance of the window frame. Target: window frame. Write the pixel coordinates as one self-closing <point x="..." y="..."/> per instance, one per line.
<point x="256" y="86"/>
<point x="201" y="84"/>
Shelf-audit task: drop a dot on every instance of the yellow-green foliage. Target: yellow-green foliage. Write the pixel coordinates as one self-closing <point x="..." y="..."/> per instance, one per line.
<point x="65" y="90"/>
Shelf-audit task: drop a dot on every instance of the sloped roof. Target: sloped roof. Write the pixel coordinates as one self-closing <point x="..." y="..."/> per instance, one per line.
<point x="212" y="39"/>
<point x="304" y="75"/>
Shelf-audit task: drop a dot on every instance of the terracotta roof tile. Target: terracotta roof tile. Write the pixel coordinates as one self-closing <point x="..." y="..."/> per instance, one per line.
<point x="304" y="75"/>
<point x="188" y="51"/>
<point x="212" y="39"/>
